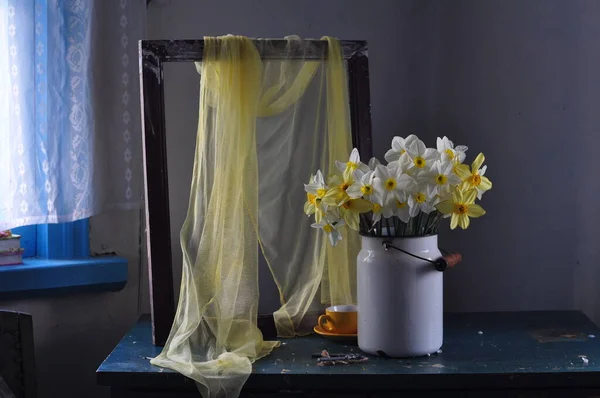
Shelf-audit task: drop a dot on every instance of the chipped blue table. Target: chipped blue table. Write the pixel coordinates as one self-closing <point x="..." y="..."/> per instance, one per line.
<point x="502" y="354"/>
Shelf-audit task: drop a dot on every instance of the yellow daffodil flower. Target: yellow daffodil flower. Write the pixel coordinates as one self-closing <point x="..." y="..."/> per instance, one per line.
<point x="336" y="195"/>
<point x="461" y="207"/>
<point x="474" y="178"/>
<point x="351" y="209"/>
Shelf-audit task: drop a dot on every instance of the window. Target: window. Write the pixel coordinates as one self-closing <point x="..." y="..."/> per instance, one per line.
<point x="57" y="260"/>
<point x="47" y="137"/>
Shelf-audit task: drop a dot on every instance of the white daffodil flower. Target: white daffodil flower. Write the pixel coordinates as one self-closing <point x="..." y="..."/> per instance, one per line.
<point x="363" y="187"/>
<point x="401" y="209"/>
<point x="405" y="165"/>
<point x="352" y="164"/>
<point x="392" y="183"/>
<point x="382" y="211"/>
<point x="399" y="147"/>
<point x="315" y="191"/>
<point x="421" y="156"/>
<point x="420" y="201"/>
<point x="448" y="153"/>
<point x="331" y="229"/>
<point x="440" y="180"/>
<point x="316" y="185"/>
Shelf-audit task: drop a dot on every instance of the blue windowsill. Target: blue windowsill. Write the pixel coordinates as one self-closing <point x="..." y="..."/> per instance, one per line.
<point x="40" y="276"/>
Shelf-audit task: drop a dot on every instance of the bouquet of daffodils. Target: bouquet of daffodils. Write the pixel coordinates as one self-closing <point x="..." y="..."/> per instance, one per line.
<point x="409" y="196"/>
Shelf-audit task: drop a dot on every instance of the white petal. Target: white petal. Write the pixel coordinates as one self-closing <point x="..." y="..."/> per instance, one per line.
<point x="373" y="163"/>
<point x="312" y="188"/>
<point x="367" y="178"/>
<point x="405" y="182"/>
<point x="358" y="175"/>
<point x="376" y="217"/>
<point x="319" y="178"/>
<point x="421" y="148"/>
<point x="426" y="208"/>
<point x="404" y="214"/>
<point x="447" y="143"/>
<point x="430" y="154"/>
<point x="483" y="170"/>
<point x="381" y="171"/>
<point x="363" y="167"/>
<point x="387" y="211"/>
<point x="340" y="165"/>
<point x="354" y="191"/>
<point x="391" y="156"/>
<point x="398" y="144"/>
<point x="414" y="210"/>
<point x="409" y="140"/>
<point x="354" y="156"/>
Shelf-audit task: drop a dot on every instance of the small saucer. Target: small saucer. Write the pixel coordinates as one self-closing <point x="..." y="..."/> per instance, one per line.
<point x="332" y="335"/>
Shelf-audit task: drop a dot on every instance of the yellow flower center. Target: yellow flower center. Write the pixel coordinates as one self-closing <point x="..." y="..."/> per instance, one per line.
<point x="328" y="228"/>
<point x="441" y="179"/>
<point x="366" y="189"/>
<point x="419" y="162"/>
<point x="321" y="192"/>
<point x="352" y="165"/>
<point x="420" y="198"/>
<point x="347" y="204"/>
<point x="390" y="184"/>
<point x="461" y="208"/>
<point x="400" y="205"/>
<point x="376" y="207"/>
<point x="450" y="154"/>
<point x="475" y="180"/>
<point x="310" y="198"/>
<point x="344" y="186"/>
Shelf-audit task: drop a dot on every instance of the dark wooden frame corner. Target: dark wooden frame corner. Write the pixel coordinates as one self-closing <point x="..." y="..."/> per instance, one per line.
<point x="153" y="54"/>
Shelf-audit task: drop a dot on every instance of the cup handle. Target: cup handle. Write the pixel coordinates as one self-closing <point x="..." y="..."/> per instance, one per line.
<point x="325" y="323"/>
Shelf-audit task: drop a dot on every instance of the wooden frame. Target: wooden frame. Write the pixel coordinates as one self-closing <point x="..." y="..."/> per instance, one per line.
<point x="152" y="56"/>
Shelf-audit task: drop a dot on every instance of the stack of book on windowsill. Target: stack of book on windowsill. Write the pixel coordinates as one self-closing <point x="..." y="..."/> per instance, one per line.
<point x="10" y="248"/>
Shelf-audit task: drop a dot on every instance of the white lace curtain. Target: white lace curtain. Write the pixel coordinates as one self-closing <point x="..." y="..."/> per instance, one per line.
<point x="70" y="136"/>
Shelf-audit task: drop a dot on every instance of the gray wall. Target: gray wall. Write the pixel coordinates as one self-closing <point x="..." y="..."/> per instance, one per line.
<point x="513" y="79"/>
<point x="74" y="333"/>
<point x="518" y="80"/>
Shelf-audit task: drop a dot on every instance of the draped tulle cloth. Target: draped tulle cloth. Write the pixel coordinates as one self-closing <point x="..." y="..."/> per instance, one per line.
<point x="264" y="126"/>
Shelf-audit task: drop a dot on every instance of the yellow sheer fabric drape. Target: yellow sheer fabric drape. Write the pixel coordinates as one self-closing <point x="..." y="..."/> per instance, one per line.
<point x="263" y="127"/>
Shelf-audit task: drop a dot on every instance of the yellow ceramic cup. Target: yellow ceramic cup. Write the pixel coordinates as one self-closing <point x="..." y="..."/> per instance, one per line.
<point x="341" y="319"/>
